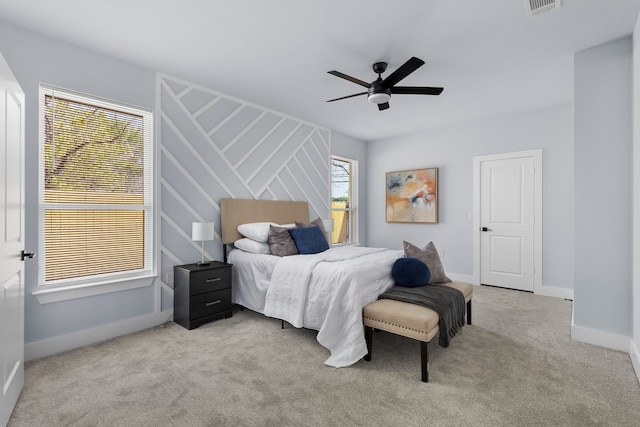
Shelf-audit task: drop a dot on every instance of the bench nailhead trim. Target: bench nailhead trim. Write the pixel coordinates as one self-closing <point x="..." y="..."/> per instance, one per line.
<point x="396" y="325"/>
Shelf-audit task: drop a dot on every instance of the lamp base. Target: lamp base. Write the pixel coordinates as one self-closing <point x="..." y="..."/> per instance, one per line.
<point x="203" y="263"/>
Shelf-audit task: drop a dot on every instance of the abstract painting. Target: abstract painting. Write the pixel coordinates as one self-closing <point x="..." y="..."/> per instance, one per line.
<point x="412" y="196"/>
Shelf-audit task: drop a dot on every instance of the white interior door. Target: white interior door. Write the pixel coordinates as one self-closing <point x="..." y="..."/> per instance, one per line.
<point x="507" y="220"/>
<point x="11" y="240"/>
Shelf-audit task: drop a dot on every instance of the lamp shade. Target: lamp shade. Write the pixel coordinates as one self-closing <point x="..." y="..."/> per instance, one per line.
<point x="202" y="231"/>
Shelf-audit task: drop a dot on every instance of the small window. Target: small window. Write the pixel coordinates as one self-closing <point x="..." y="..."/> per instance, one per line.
<point x="95" y="189"/>
<point x="343" y="200"/>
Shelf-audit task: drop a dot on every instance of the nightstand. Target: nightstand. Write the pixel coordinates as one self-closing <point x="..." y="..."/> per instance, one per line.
<point x="201" y="293"/>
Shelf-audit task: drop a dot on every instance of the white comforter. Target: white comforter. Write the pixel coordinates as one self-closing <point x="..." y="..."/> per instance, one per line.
<point x="327" y="291"/>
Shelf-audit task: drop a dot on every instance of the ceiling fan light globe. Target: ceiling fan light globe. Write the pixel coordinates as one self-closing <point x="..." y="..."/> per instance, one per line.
<point x="379" y="98"/>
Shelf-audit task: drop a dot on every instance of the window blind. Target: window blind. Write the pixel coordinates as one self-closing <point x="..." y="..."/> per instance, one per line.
<point x="96" y="187"/>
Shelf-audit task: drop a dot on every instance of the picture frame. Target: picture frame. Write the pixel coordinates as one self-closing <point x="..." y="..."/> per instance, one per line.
<point x="412" y="196"/>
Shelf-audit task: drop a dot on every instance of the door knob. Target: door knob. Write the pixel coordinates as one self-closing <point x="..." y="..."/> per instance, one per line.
<point x="24" y="255"/>
<point x="486" y="229"/>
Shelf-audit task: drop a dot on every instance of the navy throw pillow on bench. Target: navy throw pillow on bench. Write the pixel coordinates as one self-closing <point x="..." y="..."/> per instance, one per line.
<point x="410" y="272"/>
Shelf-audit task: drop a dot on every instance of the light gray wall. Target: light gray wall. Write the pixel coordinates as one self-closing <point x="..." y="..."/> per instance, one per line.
<point x="345" y="146"/>
<point x="35" y="59"/>
<point x="603" y="167"/>
<point x="214" y="146"/>
<point x="452" y="150"/>
<point x="635" y="343"/>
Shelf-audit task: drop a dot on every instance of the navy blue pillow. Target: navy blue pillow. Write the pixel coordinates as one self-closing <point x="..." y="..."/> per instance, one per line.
<point x="310" y="240"/>
<point x="410" y="272"/>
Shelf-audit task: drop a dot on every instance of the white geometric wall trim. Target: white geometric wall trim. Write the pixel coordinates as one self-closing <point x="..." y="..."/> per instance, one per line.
<point x="214" y="146"/>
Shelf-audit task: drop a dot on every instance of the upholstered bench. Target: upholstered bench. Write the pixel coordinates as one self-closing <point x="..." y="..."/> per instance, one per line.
<point x="409" y="320"/>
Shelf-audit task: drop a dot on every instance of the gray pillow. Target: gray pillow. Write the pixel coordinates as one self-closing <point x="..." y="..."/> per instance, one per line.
<point x="280" y="242"/>
<point x="316" y="221"/>
<point x="428" y="255"/>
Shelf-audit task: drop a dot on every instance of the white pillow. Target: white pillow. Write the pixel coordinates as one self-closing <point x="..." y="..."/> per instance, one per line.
<point x="287" y="225"/>
<point x="249" y="245"/>
<point x="258" y="231"/>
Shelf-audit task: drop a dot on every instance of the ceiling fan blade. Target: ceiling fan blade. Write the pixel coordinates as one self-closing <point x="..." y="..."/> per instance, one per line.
<point x="348" y="96"/>
<point x="351" y="79"/>
<point x="383" y="106"/>
<point x="416" y="90"/>
<point x="403" y="71"/>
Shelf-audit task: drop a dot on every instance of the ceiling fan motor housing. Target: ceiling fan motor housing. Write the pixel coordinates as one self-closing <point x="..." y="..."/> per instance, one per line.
<point x="378" y="94"/>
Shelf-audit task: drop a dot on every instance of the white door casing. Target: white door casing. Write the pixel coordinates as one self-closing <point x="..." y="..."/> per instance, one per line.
<point x="11" y="240"/>
<point x="508" y="220"/>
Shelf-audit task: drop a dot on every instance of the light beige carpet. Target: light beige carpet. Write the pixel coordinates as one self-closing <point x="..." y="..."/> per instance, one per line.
<point x="515" y="366"/>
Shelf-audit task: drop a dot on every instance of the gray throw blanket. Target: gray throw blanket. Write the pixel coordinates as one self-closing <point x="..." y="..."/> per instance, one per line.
<point x="446" y="301"/>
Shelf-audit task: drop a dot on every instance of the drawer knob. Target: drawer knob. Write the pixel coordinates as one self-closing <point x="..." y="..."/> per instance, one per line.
<point x="209" y="304"/>
<point x="215" y="279"/>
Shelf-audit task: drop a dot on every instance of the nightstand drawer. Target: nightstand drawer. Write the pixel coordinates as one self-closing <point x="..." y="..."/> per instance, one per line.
<point x="210" y="280"/>
<point x="210" y="303"/>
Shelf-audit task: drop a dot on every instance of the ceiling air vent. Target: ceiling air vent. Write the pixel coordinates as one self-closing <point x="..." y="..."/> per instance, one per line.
<point x="536" y="7"/>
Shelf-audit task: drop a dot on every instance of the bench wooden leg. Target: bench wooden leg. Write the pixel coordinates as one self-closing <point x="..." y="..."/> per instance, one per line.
<point x="424" y="361"/>
<point x="368" y="336"/>
<point x="469" y="312"/>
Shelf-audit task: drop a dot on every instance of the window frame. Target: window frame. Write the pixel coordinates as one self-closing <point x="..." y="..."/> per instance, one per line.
<point x="78" y="287"/>
<point x="353" y="200"/>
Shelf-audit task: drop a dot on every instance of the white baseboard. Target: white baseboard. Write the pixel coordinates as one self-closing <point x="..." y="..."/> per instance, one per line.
<point x="50" y="346"/>
<point x="600" y="338"/>
<point x="634" y="352"/>
<point x="552" y="291"/>
<point x="546" y="291"/>
<point x="461" y="278"/>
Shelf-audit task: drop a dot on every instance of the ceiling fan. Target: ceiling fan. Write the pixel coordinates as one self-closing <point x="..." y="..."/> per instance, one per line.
<point x="379" y="91"/>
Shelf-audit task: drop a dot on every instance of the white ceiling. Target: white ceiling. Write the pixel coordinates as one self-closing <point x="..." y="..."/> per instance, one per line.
<point x="489" y="55"/>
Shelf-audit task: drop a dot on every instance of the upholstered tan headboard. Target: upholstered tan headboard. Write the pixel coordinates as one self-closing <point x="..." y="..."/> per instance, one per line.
<point x="234" y="212"/>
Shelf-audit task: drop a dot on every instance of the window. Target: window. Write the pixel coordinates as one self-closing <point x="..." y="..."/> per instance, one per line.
<point x="343" y="200"/>
<point x="96" y="221"/>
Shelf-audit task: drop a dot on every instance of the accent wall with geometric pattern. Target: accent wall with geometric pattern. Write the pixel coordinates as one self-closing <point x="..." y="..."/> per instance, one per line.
<point x="213" y="146"/>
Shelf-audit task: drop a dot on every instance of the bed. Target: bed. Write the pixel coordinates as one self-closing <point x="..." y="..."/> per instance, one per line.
<point x="324" y="291"/>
